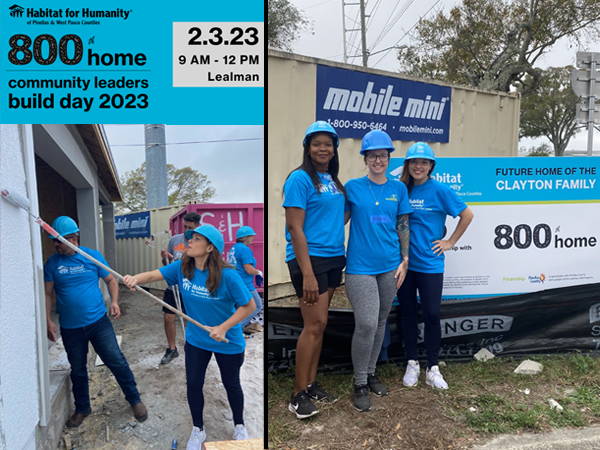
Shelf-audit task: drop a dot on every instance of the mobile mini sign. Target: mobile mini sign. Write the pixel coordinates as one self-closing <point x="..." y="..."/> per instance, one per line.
<point x="355" y="103"/>
<point x="133" y="225"/>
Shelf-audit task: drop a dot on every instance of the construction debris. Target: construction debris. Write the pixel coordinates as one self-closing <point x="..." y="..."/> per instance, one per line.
<point x="483" y="355"/>
<point x="529" y="367"/>
<point x="67" y="439"/>
<point x="555" y="405"/>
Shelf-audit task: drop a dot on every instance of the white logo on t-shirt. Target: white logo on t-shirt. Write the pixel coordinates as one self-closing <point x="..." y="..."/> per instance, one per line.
<point x="72" y="270"/>
<point x="231" y="257"/>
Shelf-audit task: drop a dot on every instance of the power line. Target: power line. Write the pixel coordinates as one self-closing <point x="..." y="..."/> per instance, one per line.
<point x="318" y="4"/>
<point x="387" y="50"/>
<point x="394" y="22"/>
<point x="193" y="142"/>
<point x="373" y="12"/>
<point x="353" y="37"/>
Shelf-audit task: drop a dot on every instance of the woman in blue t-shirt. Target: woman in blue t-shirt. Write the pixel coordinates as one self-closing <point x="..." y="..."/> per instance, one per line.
<point x="431" y="202"/>
<point x="242" y="258"/>
<point x="315" y="253"/>
<point x="377" y="259"/>
<point x="210" y="289"/>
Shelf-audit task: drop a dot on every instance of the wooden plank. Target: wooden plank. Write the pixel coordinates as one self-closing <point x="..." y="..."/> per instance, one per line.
<point x="248" y="444"/>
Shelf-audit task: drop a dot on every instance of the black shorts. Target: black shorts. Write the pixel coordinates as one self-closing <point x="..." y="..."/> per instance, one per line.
<point x="169" y="299"/>
<point x="328" y="272"/>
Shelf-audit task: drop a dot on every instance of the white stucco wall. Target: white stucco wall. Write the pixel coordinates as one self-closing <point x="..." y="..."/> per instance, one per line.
<point x="19" y="383"/>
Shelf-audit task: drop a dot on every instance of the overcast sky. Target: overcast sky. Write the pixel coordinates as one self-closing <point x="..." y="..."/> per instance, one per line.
<point x="234" y="166"/>
<point x="325" y="38"/>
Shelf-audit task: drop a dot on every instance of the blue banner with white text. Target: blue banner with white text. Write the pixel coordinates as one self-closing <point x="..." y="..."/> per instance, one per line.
<point x="133" y="225"/>
<point x="357" y="102"/>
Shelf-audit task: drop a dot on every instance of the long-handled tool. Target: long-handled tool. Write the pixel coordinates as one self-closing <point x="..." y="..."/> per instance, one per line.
<point x="23" y="203"/>
<point x="178" y="303"/>
<point x="153" y="238"/>
<point x="175" y="288"/>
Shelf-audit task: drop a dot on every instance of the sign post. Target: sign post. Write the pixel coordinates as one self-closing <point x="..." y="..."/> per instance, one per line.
<point x="584" y="84"/>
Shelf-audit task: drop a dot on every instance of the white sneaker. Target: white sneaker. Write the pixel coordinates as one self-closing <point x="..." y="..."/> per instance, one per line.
<point x="196" y="439"/>
<point x="240" y="433"/>
<point x="411" y="377"/>
<point x="435" y="379"/>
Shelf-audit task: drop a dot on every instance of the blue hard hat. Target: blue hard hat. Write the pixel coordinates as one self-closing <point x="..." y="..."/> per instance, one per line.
<point x="376" y="140"/>
<point x="244" y="231"/>
<point x="64" y="225"/>
<point x="420" y="150"/>
<point x="211" y="233"/>
<point x="321" y="126"/>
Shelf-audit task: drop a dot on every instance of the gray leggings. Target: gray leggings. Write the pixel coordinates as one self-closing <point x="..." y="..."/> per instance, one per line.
<point x="371" y="297"/>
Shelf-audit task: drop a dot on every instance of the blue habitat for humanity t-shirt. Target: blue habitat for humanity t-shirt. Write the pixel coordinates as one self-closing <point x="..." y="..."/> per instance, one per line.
<point x="239" y="255"/>
<point x="373" y="246"/>
<point x="79" y="300"/>
<point x="431" y="203"/>
<point x="210" y="309"/>
<point x="324" y="217"/>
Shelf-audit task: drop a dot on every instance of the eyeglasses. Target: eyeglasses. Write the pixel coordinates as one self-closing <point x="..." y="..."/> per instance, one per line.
<point x="382" y="158"/>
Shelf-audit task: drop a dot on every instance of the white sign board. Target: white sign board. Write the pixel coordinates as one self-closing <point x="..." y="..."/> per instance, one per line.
<point x="536" y="225"/>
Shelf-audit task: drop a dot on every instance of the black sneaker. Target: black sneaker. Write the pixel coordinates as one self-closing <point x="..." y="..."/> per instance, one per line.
<point x="361" y="398"/>
<point x="169" y="355"/>
<point x="301" y="405"/>
<point x="318" y="394"/>
<point x="376" y="386"/>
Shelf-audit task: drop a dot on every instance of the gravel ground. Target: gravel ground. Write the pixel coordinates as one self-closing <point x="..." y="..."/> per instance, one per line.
<point x="111" y="426"/>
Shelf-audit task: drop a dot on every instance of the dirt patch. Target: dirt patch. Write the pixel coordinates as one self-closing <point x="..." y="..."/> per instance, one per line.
<point x="162" y="388"/>
<point x="404" y="419"/>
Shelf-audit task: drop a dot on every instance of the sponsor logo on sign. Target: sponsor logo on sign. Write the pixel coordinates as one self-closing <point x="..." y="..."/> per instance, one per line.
<point x="537" y="279"/>
<point x="462" y="326"/>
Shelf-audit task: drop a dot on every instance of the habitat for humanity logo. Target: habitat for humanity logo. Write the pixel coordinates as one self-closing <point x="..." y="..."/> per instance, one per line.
<point x="73" y="270"/>
<point x="16" y="11"/>
<point x="536" y="279"/>
<point x="187" y="284"/>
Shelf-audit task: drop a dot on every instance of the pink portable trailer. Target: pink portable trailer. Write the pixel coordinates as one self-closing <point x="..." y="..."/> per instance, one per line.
<point x="228" y="218"/>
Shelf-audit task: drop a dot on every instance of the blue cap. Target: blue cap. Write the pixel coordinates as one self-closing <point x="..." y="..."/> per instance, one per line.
<point x="376" y="140"/>
<point x="320" y="126"/>
<point x="64" y="225"/>
<point x="211" y="233"/>
<point x="420" y="150"/>
<point x="244" y="231"/>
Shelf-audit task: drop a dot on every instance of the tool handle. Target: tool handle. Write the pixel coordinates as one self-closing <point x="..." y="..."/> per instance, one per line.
<point x="120" y="278"/>
<point x="23" y="203"/>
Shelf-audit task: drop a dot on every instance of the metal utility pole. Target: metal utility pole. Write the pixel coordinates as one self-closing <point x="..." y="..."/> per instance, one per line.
<point x="156" y="166"/>
<point x="344" y="31"/>
<point x="584" y="84"/>
<point x="363" y="32"/>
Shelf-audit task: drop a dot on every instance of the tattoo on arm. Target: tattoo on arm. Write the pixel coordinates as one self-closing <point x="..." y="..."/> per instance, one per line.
<point x="403" y="235"/>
